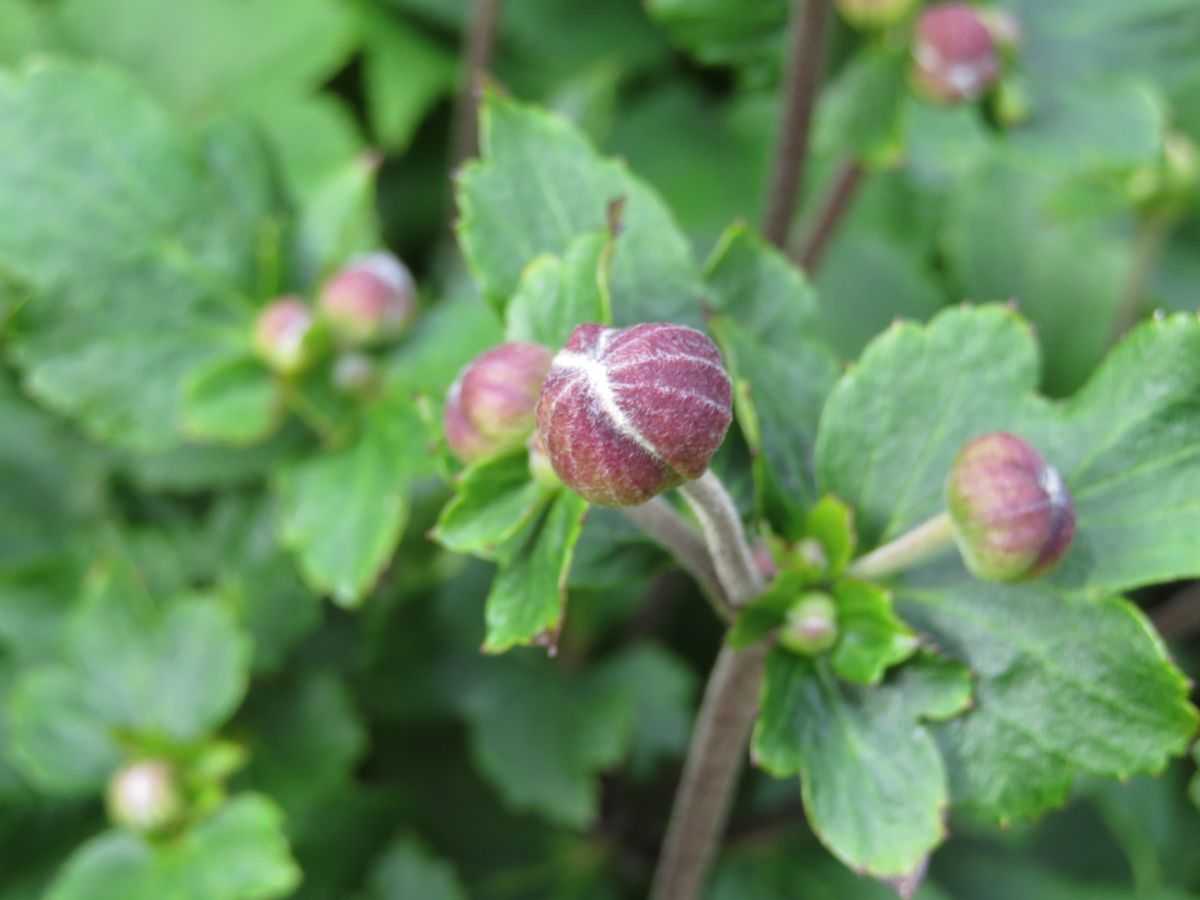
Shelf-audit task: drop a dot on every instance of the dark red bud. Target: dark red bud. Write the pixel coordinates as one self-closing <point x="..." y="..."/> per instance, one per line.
<point x="628" y="413"/>
<point x="1012" y="513"/>
<point x="371" y="299"/>
<point x="490" y="408"/>
<point x="283" y="335"/>
<point x="355" y="374"/>
<point x="954" y="54"/>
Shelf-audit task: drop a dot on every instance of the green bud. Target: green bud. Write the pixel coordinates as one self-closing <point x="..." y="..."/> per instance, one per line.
<point x="144" y="796"/>
<point x="541" y="469"/>
<point x="810" y="627"/>
<point x="874" y="13"/>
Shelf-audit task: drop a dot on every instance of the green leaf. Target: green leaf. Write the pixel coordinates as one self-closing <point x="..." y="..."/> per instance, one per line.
<point x="407" y="869"/>
<point x="238" y="854"/>
<point x="24" y="30"/>
<point x="528" y="598"/>
<point x="1066" y="685"/>
<point x="132" y="670"/>
<point x="539" y="186"/>
<point x="745" y="33"/>
<point x="870" y="638"/>
<point x="830" y="523"/>
<point x="554" y="295"/>
<point x="765" y="324"/>
<point x="494" y="500"/>
<point x="159" y="279"/>
<point x="1124" y="443"/>
<point x="860" y="114"/>
<point x="342" y="512"/>
<point x="873" y="782"/>
<point x="204" y="54"/>
<point x="234" y="401"/>
<point x="339" y="219"/>
<point x="404" y="74"/>
<point x="314" y="139"/>
<point x="662" y="690"/>
<point x="766" y="612"/>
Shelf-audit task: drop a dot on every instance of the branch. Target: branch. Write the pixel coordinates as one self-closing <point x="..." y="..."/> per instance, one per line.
<point x="837" y="202"/>
<point x="806" y="58"/>
<point x="477" y="53"/>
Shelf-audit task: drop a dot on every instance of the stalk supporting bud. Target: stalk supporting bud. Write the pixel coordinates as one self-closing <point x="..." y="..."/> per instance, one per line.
<point x="627" y="413"/>
<point x="490" y="407"/>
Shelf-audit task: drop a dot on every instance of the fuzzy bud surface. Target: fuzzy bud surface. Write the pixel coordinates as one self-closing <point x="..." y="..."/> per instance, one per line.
<point x="370" y="300"/>
<point x="490" y="407"/>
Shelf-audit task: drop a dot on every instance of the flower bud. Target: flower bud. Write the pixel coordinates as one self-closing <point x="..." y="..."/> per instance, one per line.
<point x="490" y="407"/>
<point x="954" y="54"/>
<point x="874" y="13"/>
<point x="283" y="335"/>
<point x="144" y="796"/>
<point x="810" y="627"/>
<point x="372" y="299"/>
<point x="355" y="374"/>
<point x="628" y="413"/>
<point x="1013" y="515"/>
<point x="541" y="469"/>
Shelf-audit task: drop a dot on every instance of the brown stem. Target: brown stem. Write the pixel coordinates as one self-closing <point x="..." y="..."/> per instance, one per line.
<point x="710" y="773"/>
<point x="834" y="207"/>
<point x="806" y="58"/>
<point x="1178" y="618"/>
<point x="477" y="53"/>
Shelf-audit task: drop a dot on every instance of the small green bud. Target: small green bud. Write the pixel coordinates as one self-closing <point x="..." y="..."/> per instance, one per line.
<point x="874" y="13"/>
<point x="144" y="796"/>
<point x="810" y="627"/>
<point x="1013" y="515"/>
<point x="284" y="335"/>
<point x="355" y="374"/>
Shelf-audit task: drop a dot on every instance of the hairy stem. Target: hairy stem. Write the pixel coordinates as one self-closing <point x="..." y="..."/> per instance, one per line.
<point x="907" y="550"/>
<point x="841" y="195"/>
<point x="717" y="750"/>
<point x="670" y="530"/>
<point x="805" y="67"/>
<point x="477" y="54"/>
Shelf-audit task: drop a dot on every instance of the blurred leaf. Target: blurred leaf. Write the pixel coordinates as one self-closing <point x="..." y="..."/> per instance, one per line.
<point x="765" y="325"/>
<point x="238" y="854"/>
<point x="161" y="270"/>
<point x="343" y="511"/>
<point x="557" y="294"/>
<point x="203" y="55"/>
<point x="493" y="501"/>
<point x="661" y="689"/>
<point x="861" y="112"/>
<point x="339" y="220"/>
<point x="725" y="32"/>
<point x="408" y="871"/>
<point x="539" y="186"/>
<point x="871" y="639"/>
<point x="404" y="74"/>
<point x="527" y="601"/>
<point x="873" y="782"/>
<point x="233" y="400"/>
<point x="784" y="872"/>
<point x="986" y="877"/>
<point x="24" y="29"/>
<point x="133" y="671"/>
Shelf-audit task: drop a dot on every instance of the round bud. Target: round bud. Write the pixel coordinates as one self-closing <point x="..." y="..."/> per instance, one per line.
<point x="628" y="413"/>
<point x="874" y="13"/>
<point x="283" y="335"/>
<point x="1013" y="515"/>
<point x="372" y="299"/>
<point x="954" y="55"/>
<point x="810" y="627"/>
<point x="541" y="469"/>
<point x="355" y="374"/>
<point x="490" y="407"/>
<point x="144" y="796"/>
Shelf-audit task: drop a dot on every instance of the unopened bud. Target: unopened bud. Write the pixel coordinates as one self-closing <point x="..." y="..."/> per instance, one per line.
<point x="490" y="407"/>
<point x="954" y="54"/>
<point x="874" y="13"/>
<point x="144" y="796"/>
<point x="1013" y="515"/>
<point x="372" y="299"/>
<point x="541" y="469"/>
<point x="355" y="374"/>
<point x="810" y="627"/>
<point x="628" y="413"/>
<point x="284" y="336"/>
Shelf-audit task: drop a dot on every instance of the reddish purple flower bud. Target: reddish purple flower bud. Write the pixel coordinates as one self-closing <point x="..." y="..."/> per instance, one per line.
<point x="144" y="796"/>
<point x="954" y="55"/>
<point x="283" y="335"/>
<point x="628" y="413"/>
<point x="1013" y="515"/>
<point x="372" y="299"/>
<point x="810" y="627"/>
<point x="490" y="408"/>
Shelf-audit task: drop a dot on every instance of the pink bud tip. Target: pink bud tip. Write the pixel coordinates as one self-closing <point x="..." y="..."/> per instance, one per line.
<point x="490" y="407"/>
<point x="143" y="796"/>
<point x="371" y="299"/>
<point x="283" y="335"/>
<point x="1013" y="515"/>
<point x="954" y="54"/>
<point x="628" y="413"/>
